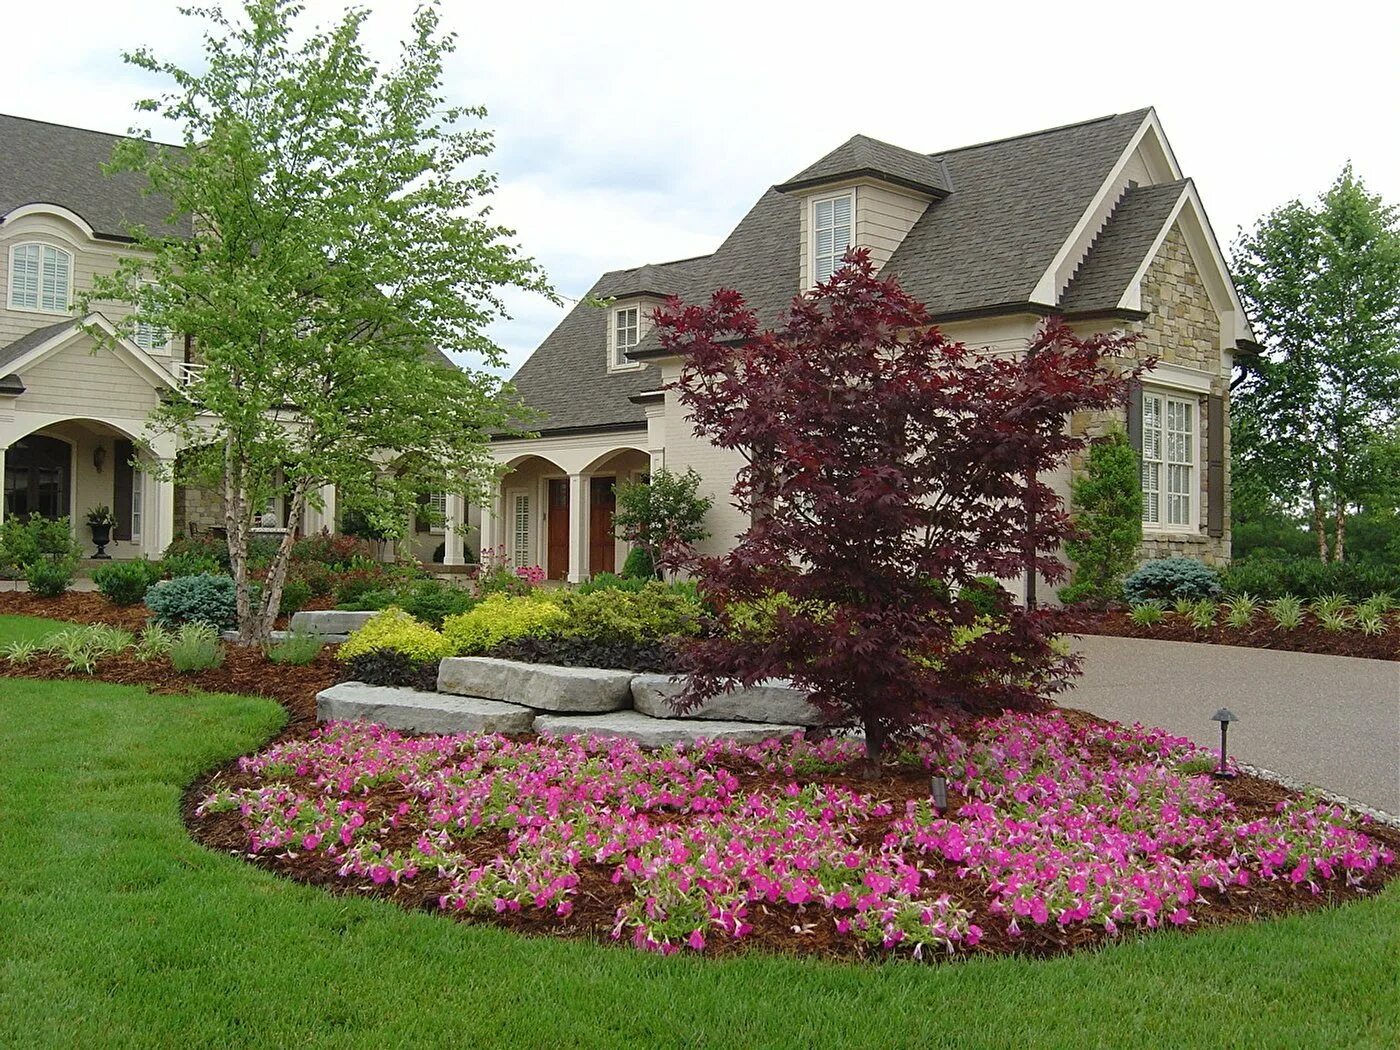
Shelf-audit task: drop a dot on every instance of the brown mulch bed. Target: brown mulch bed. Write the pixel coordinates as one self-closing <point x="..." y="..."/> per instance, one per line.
<point x="779" y="928"/>
<point x="1309" y="637"/>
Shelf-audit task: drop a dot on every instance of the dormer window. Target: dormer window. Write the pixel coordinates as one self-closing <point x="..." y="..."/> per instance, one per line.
<point x="626" y="333"/>
<point x="41" y="277"/>
<point x="832" y="221"/>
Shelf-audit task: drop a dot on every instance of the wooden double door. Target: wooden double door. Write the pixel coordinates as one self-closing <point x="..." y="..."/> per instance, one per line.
<point x="602" y="504"/>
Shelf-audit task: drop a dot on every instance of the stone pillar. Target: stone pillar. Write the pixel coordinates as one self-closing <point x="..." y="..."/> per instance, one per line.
<point x="455" y="530"/>
<point x="578" y="527"/>
<point x="491" y="516"/>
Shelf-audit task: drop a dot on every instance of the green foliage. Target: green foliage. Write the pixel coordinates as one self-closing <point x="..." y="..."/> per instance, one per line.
<point x="348" y="242"/>
<point x="662" y="516"/>
<point x="639" y="565"/>
<point x="196" y="550"/>
<point x="1203" y="614"/>
<point x="154" y="642"/>
<point x="126" y="582"/>
<point x="1329" y="603"/>
<point x="81" y="648"/>
<point x="1310" y="578"/>
<point x="196" y="647"/>
<point x="432" y="601"/>
<point x="761" y="620"/>
<point x="20" y="651"/>
<point x="1107" y="499"/>
<point x="299" y="647"/>
<point x="296" y="592"/>
<point x="606" y="581"/>
<point x="395" y="629"/>
<point x="1287" y="612"/>
<point x="203" y="599"/>
<point x="44" y="552"/>
<point x="1331" y="619"/>
<point x="1240" y="610"/>
<point x="1370" y="620"/>
<point x="1311" y="416"/>
<point x="49" y="579"/>
<point x="1169" y="579"/>
<point x="191" y="564"/>
<point x="1147" y="613"/>
<point x="612" y="615"/>
<point x="986" y="595"/>
<point x="499" y="617"/>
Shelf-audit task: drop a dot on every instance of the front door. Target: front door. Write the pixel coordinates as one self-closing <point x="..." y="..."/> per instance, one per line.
<point x="602" y="546"/>
<point x="557" y="528"/>
<point x="38" y="473"/>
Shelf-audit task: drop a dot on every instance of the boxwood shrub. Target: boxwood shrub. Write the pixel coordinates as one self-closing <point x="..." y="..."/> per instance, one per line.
<point x="1309" y="578"/>
<point x="126" y="582"/>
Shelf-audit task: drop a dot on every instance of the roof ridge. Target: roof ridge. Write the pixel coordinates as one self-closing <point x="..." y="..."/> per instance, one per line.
<point x="91" y="131"/>
<point x="1042" y="131"/>
<point x="668" y="262"/>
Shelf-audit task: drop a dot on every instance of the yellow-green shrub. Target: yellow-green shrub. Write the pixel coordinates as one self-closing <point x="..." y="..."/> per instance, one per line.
<point x="395" y="629"/>
<point x="499" y="617"/>
<point x="656" y="610"/>
<point x="758" y="619"/>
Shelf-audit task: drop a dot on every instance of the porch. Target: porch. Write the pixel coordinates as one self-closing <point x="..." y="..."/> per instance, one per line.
<point x="555" y="510"/>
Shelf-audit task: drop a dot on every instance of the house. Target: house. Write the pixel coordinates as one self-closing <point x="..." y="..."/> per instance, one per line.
<point x="1093" y="221"/>
<point x="73" y="409"/>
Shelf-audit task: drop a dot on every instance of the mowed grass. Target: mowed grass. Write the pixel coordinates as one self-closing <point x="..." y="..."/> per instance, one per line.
<point x="117" y="930"/>
<point x="28" y="628"/>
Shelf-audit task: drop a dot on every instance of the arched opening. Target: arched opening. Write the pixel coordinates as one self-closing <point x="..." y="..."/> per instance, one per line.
<point x="607" y="553"/>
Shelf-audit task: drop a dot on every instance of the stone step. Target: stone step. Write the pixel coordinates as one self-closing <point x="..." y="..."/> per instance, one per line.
<point x="330" y="621"/>
<point x="659" y="732"/>
<point x="282" y="636"/>
<point x="420" y="712"/>
<point x="545" y="687"/>
<point x="772" y="701"/>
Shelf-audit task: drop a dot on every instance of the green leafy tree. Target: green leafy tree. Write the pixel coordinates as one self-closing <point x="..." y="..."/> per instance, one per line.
<point x="1107" y="500"/>
<point x="665" y="516"/>
<point x="1323" y="286"/>
<point x="336" y="250"/>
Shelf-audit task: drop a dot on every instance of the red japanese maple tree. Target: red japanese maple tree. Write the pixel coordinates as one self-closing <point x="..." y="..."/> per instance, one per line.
<point x="887" y="467"/>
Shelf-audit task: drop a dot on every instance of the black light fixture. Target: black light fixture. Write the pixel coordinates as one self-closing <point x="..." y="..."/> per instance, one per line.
<point x="938" y="791"/>
<point x="1224" y="716"/>
<point x="99" y="457"/>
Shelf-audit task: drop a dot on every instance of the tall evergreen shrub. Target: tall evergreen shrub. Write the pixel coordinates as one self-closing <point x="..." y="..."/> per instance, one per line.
<point x="1108" y="514"/>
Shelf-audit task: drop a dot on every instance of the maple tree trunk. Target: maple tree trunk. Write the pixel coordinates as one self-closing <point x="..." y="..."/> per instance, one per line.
<point x="874" y="746"/>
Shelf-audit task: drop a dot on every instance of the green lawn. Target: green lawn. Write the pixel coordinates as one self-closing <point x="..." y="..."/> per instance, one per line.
<point x="117" y="930"/>
<point x="27" y="628"/>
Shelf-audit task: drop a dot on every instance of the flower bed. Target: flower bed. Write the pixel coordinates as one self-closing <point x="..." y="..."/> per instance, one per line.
<point x="1060" y="832"/>
<point x="1308" y="636"/>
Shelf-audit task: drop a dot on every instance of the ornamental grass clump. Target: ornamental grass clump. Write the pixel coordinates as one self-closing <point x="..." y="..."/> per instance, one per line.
<point x="1202" y="614"/>
<point x="1287" y="613"/>
<point x="1240" y="610"/>
<point x="395" y="630"/>
<point x="296" y="649"/>
<point x="1148" y="613"/>
<point x="500" y="617"/>
<point x="1086" y="830"/>
<point x="196" y="647"/>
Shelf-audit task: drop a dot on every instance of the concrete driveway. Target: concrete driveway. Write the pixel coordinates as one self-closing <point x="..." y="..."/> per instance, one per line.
<point x="1333" y="721"/>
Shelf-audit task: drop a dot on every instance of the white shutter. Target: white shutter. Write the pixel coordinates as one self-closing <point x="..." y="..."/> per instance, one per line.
<point x="24" y="276"/>
<point x="54" y="279"/>
<point x="520" y="523"/>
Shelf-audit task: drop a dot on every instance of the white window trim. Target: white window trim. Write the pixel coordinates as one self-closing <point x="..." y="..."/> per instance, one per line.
<point x="849" y="194"/>
<point x="154" y="348"/>
<point x="1192" y="398"/>
<point x="38" y="307"/>
<point x="436" y="499"/>
<point x="616" y="362"/>
<point x="138" y="502"/>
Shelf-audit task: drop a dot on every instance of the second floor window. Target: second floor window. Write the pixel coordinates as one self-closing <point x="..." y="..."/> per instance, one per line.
<point x="831" y="235"/>
<point x="626" y="334"/>
<point x="41" y="277"/>
<point x="149" y="337"/>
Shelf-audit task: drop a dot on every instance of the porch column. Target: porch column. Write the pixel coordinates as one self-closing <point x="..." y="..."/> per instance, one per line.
<point x="3" y="450"/>
<point x="578" y="527"/>
<point x="491" y="520"/>
<point x="164" y="500"/>
<point x="455" y="530"/>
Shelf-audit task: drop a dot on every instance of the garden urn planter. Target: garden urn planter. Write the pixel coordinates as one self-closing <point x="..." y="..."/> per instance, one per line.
<point x="101" y="536"/>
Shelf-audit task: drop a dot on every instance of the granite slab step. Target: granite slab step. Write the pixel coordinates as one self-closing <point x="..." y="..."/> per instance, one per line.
<point x="330" y="621"/>
<point x="282" y="636"/>
<point x="420" y="712"/>
<point x="659" y="732"/>
<point x="545" y="687"/>
<point x="772" y="701"/>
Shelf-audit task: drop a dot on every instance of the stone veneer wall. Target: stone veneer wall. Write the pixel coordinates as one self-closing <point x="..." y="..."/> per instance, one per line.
<point x="1181" y="328"/>
<point x="203" y="506"/>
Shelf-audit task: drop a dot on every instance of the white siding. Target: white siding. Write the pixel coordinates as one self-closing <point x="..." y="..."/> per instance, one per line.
<point x="73" y="381"/>
<point x="884" y="216"/>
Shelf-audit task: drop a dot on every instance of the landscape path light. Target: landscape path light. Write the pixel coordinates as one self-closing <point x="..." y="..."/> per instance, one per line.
<point x="1224" y="716"/>
<point x="938" y="791"/>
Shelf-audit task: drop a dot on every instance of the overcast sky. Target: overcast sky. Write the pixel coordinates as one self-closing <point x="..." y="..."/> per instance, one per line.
<point x="632" y="133"/>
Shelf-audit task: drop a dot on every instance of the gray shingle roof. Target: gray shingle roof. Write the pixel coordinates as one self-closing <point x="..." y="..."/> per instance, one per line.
<point x="25" y="343"/>
<point x="44" y="163"/>
<point x="861" y="155"/>
<point x="1118" y="250"/>
<point x="1013" y="204"/>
